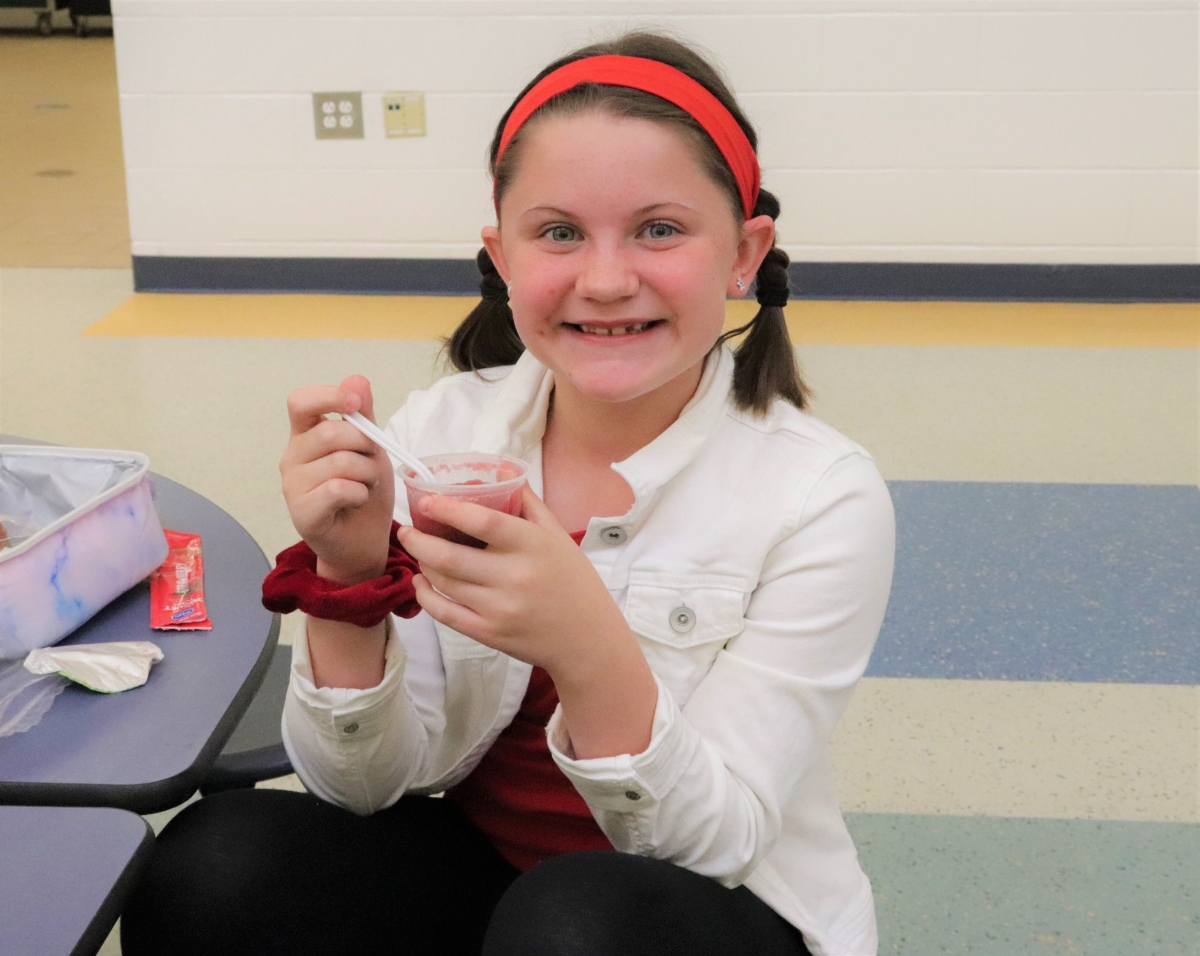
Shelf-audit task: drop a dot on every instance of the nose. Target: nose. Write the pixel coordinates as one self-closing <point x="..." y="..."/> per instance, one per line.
<point x="606" y="275"/>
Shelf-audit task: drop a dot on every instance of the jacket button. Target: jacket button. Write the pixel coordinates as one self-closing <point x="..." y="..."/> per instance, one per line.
<point x="682" y="619"/>
<point x="613" y="535"/>
<point x="350" y="729"/>
<point x="632" y="795"/>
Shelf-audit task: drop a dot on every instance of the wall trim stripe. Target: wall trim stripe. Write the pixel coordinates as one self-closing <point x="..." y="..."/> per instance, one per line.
<point x="319" y="275"/>
<point x="893" y="281"/>
<point x="1014" y="282"/>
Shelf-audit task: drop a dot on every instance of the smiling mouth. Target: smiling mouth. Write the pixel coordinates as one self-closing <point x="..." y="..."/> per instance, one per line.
<point x="615" y="330"/>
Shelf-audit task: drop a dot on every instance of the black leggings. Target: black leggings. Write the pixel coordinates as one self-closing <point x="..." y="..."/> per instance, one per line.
<point x="275" y="872"/>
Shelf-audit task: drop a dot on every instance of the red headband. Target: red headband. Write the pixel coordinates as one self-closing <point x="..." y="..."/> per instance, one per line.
<point x="664" y="81"/>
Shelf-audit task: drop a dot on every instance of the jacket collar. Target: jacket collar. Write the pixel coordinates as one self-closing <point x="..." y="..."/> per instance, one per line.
<point x="513" y="424"/>
<point x="649" y="468"/>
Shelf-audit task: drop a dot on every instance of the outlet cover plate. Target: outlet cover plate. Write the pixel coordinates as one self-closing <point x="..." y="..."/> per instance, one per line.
<point x="404" y="114"/>
<point x="337" y="115"/>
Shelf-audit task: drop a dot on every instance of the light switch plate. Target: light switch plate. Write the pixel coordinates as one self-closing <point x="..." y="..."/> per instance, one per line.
<point x="404" y="114"/>
<point x="338" y="115"/>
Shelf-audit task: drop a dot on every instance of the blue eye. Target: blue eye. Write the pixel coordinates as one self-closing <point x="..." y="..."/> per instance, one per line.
<point x="560" y="233"/>
<point x="660" y="230"/>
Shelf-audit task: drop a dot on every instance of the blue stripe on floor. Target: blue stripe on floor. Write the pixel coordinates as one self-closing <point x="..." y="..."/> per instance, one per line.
<point x="1044" y="582"/>
<point x="1019" y="887"/>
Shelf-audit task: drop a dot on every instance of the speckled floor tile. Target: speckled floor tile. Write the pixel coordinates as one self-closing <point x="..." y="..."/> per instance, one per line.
<point x="210" y="413"/>
<point x="62" y="115"/>
<point x="1044" y="582"/>
<point x="1009" y="748"/>
<point x="1126" y="416"/>
<point x="985" y="887"/>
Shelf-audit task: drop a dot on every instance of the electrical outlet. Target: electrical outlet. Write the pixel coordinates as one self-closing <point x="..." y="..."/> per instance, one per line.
<point x="404" y="114"/>
<point x="338" y="115"/>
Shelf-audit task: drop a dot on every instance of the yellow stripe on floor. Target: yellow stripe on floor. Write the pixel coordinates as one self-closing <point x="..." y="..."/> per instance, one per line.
<point x="1002" y="324"/>
<point x="169" y="315"/>
<point x="1011" y="324"/>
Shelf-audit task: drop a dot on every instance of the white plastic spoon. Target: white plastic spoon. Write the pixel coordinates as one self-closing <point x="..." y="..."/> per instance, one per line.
<point x="368" y="428"/>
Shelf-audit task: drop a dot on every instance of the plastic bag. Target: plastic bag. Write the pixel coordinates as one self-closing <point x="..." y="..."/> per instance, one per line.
<point x="25" y="697"/>
<point x="15" y="531"/>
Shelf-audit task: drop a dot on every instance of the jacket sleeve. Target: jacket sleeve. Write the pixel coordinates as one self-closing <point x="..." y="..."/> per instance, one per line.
<point x="708" y="791"/>
<point x="363" y="749"/>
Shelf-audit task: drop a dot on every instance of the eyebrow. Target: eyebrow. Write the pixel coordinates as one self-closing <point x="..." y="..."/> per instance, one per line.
<point x="639" y="212"/>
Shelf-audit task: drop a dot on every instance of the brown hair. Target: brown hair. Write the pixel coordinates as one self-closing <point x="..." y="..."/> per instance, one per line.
<point x="764" y="362"/>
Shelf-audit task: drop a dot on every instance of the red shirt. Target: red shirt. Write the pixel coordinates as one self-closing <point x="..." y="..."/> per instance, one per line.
<point x="519" y="797"/>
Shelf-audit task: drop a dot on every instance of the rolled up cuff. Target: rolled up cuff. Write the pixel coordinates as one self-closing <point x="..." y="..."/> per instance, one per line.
<point x="629" y="783"/>
<point x="345" y="713"/>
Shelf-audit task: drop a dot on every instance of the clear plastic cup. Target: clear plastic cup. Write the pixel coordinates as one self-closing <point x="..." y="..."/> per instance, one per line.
<point x="493" y="481"/>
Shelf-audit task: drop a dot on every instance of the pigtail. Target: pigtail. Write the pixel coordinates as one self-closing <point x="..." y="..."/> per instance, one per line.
<point x="487" y="337"/>
<point x="764" y="365"/>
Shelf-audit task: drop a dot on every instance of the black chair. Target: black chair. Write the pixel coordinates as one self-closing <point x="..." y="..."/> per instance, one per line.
<point x="82" y="10"/>
<point x="255" y="750"/>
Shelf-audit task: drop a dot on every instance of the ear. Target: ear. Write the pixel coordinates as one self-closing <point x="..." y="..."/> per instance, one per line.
<point x="491" y="242"/>
<point x="757" y="238"/>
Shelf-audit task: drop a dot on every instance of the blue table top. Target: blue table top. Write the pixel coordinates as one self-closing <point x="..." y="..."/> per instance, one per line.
<point x="66" y="873"/>
<point x="147" y="749"/>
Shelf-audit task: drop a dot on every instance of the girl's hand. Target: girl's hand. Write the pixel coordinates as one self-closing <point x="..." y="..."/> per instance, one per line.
<point x="338" y="484"/>
<point x="532" y="593"/>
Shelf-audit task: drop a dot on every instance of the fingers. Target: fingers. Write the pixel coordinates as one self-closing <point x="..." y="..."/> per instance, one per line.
<point x="534" y="510"/>
<point x="321" y="480"/>
<point x="342" y="480"/>
<point x="308" y="406"/>
<point x="346" y="465"/>
<point x="493" y="527"/>
<point x="314" y="510"/>
<point x="328" y="437"/>
<point x="359" y="385"/>
<point x="448" y="612"/>
<point x="440" y="557"/>
<point x="473" y="596"/>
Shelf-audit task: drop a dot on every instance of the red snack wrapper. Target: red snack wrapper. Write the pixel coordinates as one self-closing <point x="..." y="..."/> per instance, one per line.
<point x="177" y="587"/>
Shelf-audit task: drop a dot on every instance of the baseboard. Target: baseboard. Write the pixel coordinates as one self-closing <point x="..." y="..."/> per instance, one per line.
<point x="350" y="276"/>
<point x="810" y="280"/>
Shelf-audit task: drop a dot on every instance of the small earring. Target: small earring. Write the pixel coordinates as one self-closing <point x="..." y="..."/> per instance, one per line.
<point x="741" y="285"/>
<point x="508" y="285"/>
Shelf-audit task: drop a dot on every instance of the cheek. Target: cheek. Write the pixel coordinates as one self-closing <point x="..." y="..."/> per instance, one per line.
<point x="539" y="288"/>
<point x="696" y="269"/>
<point x="694" y="287"/>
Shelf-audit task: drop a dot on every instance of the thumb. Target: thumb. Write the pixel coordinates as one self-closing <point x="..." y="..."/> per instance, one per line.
<point x="534" y="510"/>
<point x="361" y="386"/>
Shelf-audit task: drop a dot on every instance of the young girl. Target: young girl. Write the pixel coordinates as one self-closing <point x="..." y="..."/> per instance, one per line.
<point x="650" y="659"/>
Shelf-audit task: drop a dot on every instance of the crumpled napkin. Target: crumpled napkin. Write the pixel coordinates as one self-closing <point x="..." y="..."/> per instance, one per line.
<point x="107" y="668"/>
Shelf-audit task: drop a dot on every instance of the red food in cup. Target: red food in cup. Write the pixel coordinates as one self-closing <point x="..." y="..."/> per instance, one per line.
<point x="493" y="481"/>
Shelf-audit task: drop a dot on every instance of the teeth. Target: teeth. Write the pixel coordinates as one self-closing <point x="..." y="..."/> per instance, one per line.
<point x="615" y="330"/>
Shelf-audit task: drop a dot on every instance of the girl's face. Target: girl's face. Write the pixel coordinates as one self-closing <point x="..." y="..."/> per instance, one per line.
<point x="621" y="251"/>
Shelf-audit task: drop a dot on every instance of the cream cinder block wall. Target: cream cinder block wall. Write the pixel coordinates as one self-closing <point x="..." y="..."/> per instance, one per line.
<point x="893" y="130"/>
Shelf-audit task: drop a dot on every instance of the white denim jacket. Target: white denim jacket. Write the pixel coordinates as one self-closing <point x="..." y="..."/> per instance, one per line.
<point x="754" y="568"/>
